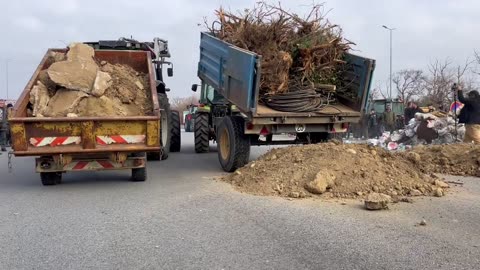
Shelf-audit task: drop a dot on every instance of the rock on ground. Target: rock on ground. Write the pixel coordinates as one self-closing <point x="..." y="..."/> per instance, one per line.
<point x="377" y="201"/>
<point x="323" y="180"/>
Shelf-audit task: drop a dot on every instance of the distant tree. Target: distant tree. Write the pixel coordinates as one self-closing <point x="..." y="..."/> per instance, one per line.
<point x="410" y="84"/>
<point x="440" y="79"/>
<point x="181" y="103"/>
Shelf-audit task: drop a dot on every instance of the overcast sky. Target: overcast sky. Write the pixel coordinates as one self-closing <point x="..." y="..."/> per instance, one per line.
<point x="426" y="30"/>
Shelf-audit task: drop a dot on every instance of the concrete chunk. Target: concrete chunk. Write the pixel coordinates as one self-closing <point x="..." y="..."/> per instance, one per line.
<point x="64" y="102"/>
<point x="102" y="82"/>
<point x="39" y="98"/>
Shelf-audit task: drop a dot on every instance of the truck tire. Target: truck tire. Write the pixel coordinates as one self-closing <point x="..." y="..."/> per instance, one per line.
<point x="176" y="140"/>
<point x="202" y="133"/>
<point x="233" y="143"/>
<point x="50" y="178"/>
<point x="139" y="175"/>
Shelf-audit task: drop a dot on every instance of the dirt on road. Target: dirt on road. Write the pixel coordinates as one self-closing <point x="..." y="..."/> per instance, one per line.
<point x="334" y="170"/>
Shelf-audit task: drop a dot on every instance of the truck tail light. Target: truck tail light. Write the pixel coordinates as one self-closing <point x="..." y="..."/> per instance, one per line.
<point x="264" y="131"/>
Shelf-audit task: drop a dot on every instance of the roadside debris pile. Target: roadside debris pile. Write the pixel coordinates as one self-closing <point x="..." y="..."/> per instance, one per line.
<point x="454" y="159"/>
<point x="298" y="53"/>
<point x="425" y="128"/>
<point x="76" y="85"/>
<point x="336" y="171"/>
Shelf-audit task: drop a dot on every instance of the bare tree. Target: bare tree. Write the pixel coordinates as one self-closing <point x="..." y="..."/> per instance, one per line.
<point x="409" y="83"/>
<point x="477" y="60"/>
<point x="442" y="75"/>
<point x="181" y="103"/>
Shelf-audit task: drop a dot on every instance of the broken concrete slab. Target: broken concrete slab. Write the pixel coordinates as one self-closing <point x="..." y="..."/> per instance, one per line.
<point x="80" y="52"/>
<point x="64" y="102"/>
<point x="75" y="75"/>
<point x="39" y="98"/>
<point x="102" y="82"/>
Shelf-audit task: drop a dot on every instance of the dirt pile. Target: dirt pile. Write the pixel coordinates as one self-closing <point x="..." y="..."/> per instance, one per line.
<point x="453" y="159"/>
<point x="338" y="171"/>
<point x="76" y="84"/>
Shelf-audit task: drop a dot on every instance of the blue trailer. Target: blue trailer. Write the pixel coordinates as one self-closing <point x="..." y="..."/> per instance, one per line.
<point x="231" y="114"/>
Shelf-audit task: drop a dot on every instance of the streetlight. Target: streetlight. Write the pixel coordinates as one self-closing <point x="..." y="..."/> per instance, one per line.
<point x="391" y="35"/>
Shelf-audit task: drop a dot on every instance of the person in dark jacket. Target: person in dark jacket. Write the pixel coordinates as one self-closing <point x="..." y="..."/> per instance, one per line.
<point x="373" y="128"/>
<point x="410" y="111"/>
<point x="470" y="115"/>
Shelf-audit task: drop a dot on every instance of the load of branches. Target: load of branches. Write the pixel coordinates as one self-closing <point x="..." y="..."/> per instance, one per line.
<point x="298" y="53"/>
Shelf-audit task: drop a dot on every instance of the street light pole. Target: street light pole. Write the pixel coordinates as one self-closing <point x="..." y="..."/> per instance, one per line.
<point x="391" y="56"/>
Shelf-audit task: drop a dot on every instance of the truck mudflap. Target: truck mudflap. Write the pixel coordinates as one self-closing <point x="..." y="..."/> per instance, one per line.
<point x="49" y="164"/>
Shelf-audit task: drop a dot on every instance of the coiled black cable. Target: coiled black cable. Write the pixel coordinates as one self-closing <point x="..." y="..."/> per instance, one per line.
<point x="298" y="101"/>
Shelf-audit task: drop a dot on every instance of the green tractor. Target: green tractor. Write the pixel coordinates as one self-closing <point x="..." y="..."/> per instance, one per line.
<point x="212" y="109"/>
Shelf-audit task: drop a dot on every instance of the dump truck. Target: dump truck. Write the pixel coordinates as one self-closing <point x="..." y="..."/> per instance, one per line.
<point x="231" y="113"/>
<point x="67" y="144"/>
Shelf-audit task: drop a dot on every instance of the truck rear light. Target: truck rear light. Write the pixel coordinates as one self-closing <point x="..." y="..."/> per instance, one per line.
<point x="250" y="126"/>
<point x="264" y="131"/>
<point x="344" y="125"/>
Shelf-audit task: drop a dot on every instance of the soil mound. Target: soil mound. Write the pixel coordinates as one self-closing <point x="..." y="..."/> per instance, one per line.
<point x="337" y="171"/>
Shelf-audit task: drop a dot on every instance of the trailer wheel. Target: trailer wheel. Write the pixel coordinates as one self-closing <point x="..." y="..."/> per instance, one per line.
<point x="233" y="144"/>
<point x="175" y="140"/>
<point x="202" y="133"/>
<point x="320" y="137"/>
<point x="166" y="124"/>
<point x="50" y="178"/>
<point x="139" y="175"/>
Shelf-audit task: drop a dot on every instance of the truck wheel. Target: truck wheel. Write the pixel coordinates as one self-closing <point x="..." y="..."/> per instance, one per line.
<point x="51" y="178"/>
<point x="175" y="140"/>
<point x="166" y="124"/>
<point x="202" y="133"/>
<point x="139" y="175"/>
<point x="233" y="144"/>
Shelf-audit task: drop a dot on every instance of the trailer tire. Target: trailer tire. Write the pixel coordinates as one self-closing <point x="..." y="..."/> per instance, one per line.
<point x="139" y="175"/>
<point x="50" y="178"/>
<point x="166" y="120"/>
<point x="175" y="140"/>
<point x="233" y="143"/>
<point x="320" y="137"/>
<point x="202" y="133"/>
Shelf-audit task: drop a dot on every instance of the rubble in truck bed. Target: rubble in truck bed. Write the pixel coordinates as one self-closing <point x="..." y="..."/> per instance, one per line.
<point x="76" y="84"/>
<point x="301" y="55"/>
<point x="334" y="170"/>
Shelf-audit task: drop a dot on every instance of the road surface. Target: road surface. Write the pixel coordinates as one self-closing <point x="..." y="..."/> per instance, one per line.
<point x="183" y="219"/>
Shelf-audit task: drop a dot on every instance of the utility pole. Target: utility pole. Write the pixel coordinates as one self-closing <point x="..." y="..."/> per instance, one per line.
<point x="391" y="57"/>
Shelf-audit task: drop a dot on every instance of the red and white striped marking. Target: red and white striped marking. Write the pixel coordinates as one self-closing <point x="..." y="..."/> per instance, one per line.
<point x="120" y="139"/>
<point x="91" y="165"/>
<point x="54" y="141"/>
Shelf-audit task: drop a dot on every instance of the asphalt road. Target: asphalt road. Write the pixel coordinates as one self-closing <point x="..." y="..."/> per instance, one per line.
<point x="183" y="219"/>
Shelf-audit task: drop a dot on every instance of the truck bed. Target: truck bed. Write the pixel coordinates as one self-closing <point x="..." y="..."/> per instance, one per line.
<point x="235" y="74"/>
<point x="37" y="136"/>
<point x="330" y="110"/>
